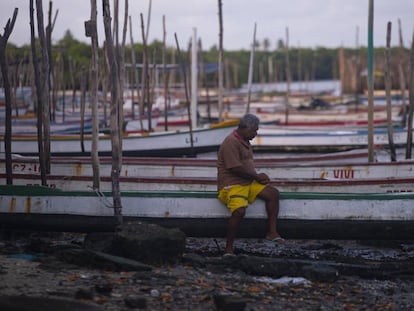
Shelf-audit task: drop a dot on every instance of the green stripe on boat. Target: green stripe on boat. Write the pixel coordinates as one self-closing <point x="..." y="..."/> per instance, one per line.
<point x="21" y="190"/>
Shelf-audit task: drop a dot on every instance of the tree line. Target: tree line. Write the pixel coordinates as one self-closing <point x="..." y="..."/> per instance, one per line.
<point x="306" y="64"/>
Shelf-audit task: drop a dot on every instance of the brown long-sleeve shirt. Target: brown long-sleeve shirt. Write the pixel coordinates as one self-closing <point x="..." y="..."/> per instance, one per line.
<point x="234" y="152"/>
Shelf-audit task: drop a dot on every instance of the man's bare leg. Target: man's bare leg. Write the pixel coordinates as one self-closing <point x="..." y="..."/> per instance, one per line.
<point x="271" y="197"/>
<point x="233" y="228"/>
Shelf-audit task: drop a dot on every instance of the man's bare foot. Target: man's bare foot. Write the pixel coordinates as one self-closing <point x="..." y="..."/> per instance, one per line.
<point x="276" y="239"/>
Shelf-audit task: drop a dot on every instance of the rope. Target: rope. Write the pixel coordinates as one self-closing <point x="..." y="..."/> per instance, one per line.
<point x="104" y="199"/>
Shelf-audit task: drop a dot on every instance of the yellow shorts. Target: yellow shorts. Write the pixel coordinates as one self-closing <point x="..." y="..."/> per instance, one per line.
<point x="237" y="196"/>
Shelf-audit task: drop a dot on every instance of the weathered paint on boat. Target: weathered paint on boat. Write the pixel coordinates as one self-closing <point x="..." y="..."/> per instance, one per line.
<point x="200" y="213"/>
<point x="324" y="168"/>
<point x="127" y="183"/>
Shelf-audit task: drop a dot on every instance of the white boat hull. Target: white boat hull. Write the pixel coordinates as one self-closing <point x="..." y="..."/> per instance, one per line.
<point x="177" y="143"/>
<point x="29" y="204"/>
<point x="277" y="138"/>
<point x="77" y="183"/>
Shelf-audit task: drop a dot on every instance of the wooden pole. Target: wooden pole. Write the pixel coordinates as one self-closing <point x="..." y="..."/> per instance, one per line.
<point x="114" y="78"/>
<point x="411" y="104"/>
<point x="37" y="78"/>
<point x="83" y="107"/>
<point x="370" y="81"/>
<point x="121" y="68"/>
<point x="7" y="92"/>
<point x="181" y="62"/>
<point x="165" y="74"/>
<point x="388" y="93"/>
<point x="288" y="77"/>
<point x="51" y="76"/>
<point x="72" y="81"/>
<point x="402" y="74"/>
<point x="91" y="31"/>
<point x="134" y="66"/>
<point x="44" y="91"/>
<point x="250" y="76"/>
<point x="220" y="63"/>
<point x="194" y="80"/>
<point x="145" y="74"/>
<point x="357" y="69"/>
<point x="148" y="19"/>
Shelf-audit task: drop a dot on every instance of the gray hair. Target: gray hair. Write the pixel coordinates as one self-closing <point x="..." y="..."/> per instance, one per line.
<point x="248" y="121"/>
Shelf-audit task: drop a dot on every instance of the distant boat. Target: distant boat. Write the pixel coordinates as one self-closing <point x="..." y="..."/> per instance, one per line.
<point x="274" y="138"/>
<point x="171" y="143"/>
<point x="335" y="116"/>
<point x="302" y="214"/>
<point x="21" y="110"/>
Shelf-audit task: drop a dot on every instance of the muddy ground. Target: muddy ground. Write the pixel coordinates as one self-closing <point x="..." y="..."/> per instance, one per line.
<point x="346" y="275"/>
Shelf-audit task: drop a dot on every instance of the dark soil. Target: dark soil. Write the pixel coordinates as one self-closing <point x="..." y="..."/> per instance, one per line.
<point x="344" y="275"/>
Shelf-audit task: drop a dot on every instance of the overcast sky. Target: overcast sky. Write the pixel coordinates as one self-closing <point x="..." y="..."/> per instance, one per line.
<point x="311" y="23"/>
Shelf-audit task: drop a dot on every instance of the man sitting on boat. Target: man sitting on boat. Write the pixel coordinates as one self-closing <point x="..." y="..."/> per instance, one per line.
<point x="239" y="184"/>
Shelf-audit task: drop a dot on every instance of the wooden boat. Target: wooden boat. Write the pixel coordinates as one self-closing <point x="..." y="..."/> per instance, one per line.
<point x="172" y="183"/>
<point x="281" y="139"/>
<point x="341" y="116"/>
<point x="352" y="124"/>
<point x="27" y="125"/>
<point x="302" y="214"/>
<point x="330" y="166"/>
<point x="20" y="110"/>
<point x="133" y="125"/>
<point x="172" y="143"/>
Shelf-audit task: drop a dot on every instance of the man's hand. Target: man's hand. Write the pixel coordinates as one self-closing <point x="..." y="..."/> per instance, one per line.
<point x="262" y="178"/>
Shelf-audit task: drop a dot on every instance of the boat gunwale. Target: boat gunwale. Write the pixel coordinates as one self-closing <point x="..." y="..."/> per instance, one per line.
<point x="213" y="180"/>
<point x="260" y="162"/>
<point x="41" y="191"/>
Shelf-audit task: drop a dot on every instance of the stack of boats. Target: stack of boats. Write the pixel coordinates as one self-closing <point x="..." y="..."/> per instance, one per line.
<point x="318" y="131"/>
<point x="336" y="195"/>
<point x="165" y="179"/>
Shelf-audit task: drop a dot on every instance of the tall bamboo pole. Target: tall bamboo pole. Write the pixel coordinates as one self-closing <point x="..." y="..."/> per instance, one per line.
<point x="250" y="76"/>
<point x="220" y="63"/>
<point x="114" y="77"/>
<point x="388" y="93"/>
<point x="145" y="74"/>
<point x="83" y="107"/>
<point x="134" y="68"/>
<point x="148" y="19"/>
<point x="194" y="80"/>
<point x="402" y="74"/>
<point x="288" y="77"/>
<point x="4" y="71"/>
<point x="357" y="68"/>
<point x="121" y="68"/>
<point x="44" y="91"/>
<point x="299" y="62"/>
<point x="51" y="76"/>
<point x="370" y="81"/>
<point x="183" y="66"/>
<point x="164" y="74"/>
<point x="37" y="78"/>
<point x="72" y="81"/>
<point x="91" y="31"/>
<point x="411" y="104"/>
